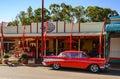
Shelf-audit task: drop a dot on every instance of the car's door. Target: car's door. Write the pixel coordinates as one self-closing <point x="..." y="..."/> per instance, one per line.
<point x="71" y="59"/>
<point x="79" y="60"/>
<point x="82" y="60"/>
<point x="74" y="59"/>
<point x="66" y="60"/>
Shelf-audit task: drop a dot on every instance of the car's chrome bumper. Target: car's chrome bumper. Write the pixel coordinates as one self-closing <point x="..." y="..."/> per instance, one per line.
<point x="44" y="63"/>
<point x="106" y="66"/>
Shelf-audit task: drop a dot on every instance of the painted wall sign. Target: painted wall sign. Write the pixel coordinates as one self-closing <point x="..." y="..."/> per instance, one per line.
<point x="51" y="27"/>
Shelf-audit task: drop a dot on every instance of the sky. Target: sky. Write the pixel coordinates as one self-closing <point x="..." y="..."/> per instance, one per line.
<point x="9" y="9"/>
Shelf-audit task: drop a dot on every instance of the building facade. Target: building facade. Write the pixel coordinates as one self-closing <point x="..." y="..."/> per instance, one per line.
<point x="113" y="39"/>
<point x="85" y="36"/>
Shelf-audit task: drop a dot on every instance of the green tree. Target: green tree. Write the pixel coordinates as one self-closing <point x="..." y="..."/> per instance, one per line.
<point x="22" y="17"/>
<point x="37" y="15"/>
<point x="46" y="15"/>
<point x="55" y="12"/>
<point x="96" y="14"/>
<point x="66" y="12"/>
<point x="14" y="22"/>
<point x="30" y="15"/>
<point x="79" y="13"/>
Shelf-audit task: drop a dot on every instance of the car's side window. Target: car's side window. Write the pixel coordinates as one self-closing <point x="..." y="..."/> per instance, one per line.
<point x="68" y="55"/>
<point x="82" y="55"/>
<point x="75" y="55"/>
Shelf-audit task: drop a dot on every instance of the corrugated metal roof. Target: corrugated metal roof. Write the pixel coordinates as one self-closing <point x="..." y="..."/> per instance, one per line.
<point x="115" y="17"/>
<point x="113" y="28"/>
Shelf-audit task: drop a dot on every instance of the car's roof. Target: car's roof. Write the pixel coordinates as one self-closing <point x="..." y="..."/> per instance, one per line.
<point x="77" y="51"/>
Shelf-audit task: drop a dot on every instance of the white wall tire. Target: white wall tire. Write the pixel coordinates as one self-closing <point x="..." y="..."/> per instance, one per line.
<point x="94" y="68"/>
<point x="56" y="66"/>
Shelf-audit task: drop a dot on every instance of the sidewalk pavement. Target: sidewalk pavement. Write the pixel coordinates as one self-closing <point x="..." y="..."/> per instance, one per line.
<point x="14" y="65"/>
<point x="115" y="66"/>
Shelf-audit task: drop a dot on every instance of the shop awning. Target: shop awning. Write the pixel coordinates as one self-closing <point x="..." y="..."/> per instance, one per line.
<point x="113" y="28"/>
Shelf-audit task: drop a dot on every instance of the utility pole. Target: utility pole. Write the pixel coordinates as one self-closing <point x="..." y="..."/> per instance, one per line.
<point x="42" y="40"/>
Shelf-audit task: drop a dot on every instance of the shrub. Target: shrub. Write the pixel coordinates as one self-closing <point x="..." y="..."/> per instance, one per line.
<point x="6" y="56"/>
<point x="24" y="56"/>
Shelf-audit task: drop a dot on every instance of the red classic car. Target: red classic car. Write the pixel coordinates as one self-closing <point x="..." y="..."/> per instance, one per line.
<point x="75" y="59"/>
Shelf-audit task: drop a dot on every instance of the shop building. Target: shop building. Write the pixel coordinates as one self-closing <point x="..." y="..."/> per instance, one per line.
<point x="113" y="39"/>
<point x="85" y="36"/>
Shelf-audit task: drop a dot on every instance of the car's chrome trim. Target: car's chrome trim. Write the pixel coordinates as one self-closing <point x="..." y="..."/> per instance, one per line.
<point x="105" y="66"/>
<point x="44" y="63"/>
<point x="47" y="60"/>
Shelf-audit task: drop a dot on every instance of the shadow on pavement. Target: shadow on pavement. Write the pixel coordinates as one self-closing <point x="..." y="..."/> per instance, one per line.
<point x="114" y="69"/>
<point x="111" y="71"/>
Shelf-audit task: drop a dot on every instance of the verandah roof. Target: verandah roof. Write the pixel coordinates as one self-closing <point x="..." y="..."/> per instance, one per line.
<point x="56" y="34"/>
<point x="113" y="28"/>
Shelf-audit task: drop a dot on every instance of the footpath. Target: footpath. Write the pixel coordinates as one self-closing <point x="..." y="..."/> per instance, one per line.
<point x="115" y="66"/>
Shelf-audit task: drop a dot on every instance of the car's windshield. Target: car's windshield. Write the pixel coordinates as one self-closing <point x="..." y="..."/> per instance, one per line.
<point x="60" y="55"/>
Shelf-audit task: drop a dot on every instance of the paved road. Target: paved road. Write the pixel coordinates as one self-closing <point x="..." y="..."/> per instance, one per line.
<point x="39" y="72"/>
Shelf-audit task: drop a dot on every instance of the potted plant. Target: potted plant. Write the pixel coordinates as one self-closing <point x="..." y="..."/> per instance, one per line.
<point x="24" y="58"/>
<point x="5" y="58"/>
<point x="0" y="60"/>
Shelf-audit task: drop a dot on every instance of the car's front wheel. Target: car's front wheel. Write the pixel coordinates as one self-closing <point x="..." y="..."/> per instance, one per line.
<point x="56" y="66"/>
<point x="94" y="68"/>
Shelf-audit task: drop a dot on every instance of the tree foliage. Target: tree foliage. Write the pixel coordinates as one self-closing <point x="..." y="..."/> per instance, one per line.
<point x="97" y="14"/>
<point x="55" y="12"/>
<point x="64" y="12"/>
<point x="79" y="13"/>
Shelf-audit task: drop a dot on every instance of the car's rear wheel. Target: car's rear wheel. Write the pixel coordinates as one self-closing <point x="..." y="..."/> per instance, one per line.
<point x="94" y="68"/>
<point x="56" y="66"/>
